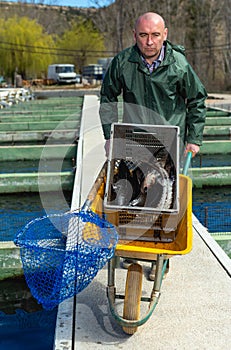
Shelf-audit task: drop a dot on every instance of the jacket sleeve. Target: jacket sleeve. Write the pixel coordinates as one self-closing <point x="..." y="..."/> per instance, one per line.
<point x="110" y="90"/>
<point x="196" y="110"/>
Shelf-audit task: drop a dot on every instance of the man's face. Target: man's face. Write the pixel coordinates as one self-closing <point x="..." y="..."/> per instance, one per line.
<point x="149" y="36"/>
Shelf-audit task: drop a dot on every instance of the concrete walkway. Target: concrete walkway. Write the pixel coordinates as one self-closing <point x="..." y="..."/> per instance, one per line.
<point x="195" y="305"/>
<point x="193" y="312"/>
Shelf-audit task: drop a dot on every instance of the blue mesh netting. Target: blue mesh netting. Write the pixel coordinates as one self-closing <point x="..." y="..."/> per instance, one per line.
<point x="62" y="253"/>
<point x="215" y="216"/>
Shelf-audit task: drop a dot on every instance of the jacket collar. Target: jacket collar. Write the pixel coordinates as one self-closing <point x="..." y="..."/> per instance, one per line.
<point x="135" y="55"/>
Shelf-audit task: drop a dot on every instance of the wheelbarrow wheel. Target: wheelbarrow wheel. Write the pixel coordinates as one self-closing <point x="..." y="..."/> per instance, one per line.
<point x="133" y="291"/>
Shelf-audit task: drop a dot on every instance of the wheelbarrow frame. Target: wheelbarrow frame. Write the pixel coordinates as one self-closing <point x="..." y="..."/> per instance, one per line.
<point x="161" y="265"/>
<point x="158" y="252"/>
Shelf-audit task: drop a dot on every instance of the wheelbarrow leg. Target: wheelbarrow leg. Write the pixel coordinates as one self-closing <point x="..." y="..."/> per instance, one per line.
<point x="153" y="270"/>
<point x="111" y="271"/>
<point x="158" y="274"/>
<point x="111" y="290"/>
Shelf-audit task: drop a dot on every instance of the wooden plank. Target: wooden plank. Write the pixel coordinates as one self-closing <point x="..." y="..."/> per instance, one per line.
<point x="32" y="152"/>
<point x="216" y="147"/>
<point x="34" y="182"/>
<point x="214" y="176"/>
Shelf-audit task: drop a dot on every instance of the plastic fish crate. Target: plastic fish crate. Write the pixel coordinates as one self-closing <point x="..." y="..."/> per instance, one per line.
<point x="142" y="185"/>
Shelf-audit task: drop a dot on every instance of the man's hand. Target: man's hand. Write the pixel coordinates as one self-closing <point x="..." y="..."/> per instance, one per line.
<point x="107" y="147"/>
<point x="192" y="148"/>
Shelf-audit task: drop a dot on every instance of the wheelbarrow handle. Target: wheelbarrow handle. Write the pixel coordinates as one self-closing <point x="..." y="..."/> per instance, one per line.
<point x="187" y="163"/>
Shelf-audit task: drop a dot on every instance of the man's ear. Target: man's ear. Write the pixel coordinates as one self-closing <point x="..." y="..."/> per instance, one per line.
<point x="165" y="33"/>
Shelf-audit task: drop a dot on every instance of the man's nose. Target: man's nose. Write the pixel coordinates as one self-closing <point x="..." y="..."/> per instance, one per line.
<point x="149" y="40"/>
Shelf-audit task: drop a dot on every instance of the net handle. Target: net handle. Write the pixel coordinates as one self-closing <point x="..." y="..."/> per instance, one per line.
<point x="187" y="162"/>
<point x="94" y="190"/>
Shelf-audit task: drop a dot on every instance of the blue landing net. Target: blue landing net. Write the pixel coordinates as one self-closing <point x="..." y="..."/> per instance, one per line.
<point x="62" y="253"/>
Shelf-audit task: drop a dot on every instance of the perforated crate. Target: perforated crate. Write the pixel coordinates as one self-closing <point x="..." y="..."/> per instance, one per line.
<point x="142" y="181"/>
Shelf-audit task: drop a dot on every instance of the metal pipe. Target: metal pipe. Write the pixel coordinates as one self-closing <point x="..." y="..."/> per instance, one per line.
<point x="111" y="272"/>
<point x="158" y="273"/>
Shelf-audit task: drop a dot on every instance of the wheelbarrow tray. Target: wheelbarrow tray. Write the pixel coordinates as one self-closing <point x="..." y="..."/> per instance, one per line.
<point x="147" y="250"/>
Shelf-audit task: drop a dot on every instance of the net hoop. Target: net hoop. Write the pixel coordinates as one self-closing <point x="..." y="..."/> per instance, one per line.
<point x="57" y="268"/>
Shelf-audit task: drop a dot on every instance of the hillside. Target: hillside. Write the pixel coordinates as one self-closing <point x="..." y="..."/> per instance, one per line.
<point x="202" y="27"/>
<point x="61" y="15"/>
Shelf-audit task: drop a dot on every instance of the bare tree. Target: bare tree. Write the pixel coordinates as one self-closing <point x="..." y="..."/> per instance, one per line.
<point x="202" y="26"/>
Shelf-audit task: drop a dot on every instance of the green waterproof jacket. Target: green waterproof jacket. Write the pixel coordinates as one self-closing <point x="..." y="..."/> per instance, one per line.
<point x="171" y="94"/>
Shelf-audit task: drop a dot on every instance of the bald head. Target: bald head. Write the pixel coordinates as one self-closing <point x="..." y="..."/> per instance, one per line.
<point x="151" y="17"/>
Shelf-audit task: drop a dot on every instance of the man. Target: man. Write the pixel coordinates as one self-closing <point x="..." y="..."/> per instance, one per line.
<point x="155" y="76"/>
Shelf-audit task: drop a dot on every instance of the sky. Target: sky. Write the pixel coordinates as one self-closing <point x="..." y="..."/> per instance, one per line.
<point x="73" y="3"/>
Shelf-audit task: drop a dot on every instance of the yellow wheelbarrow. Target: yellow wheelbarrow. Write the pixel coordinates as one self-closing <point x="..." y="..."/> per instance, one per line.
<point x="147" y="251"/>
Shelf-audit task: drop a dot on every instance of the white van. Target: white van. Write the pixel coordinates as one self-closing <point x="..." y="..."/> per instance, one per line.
<point x="62" y="73"/>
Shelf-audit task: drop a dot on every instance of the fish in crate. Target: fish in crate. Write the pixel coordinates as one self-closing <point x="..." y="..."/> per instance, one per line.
<point x="142" y="180"/>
